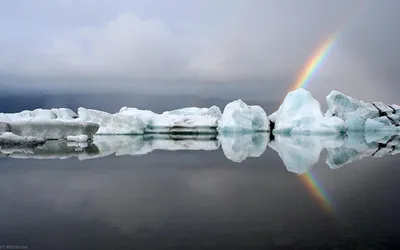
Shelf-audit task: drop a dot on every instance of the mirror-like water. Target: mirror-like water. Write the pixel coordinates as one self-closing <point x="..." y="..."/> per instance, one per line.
<point x="231" y="192"/>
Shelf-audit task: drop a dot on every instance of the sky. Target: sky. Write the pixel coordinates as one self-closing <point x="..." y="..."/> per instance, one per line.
<point x="224" y="48"/>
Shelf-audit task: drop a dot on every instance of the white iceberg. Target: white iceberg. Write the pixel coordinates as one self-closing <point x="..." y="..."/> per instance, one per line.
<point x="383" y="124"/>
<point x="361" y="116"/>
<point x="213" y="111"/>
<point x="301" y="113"/>
<point x="61" y="114"/>
<point x="238" y="117"/>
<point x="187" y="120"/>
<point x="345" y="107"/>
<point x="238" y="147"/>
<point x="46" y="124"/>
<point x="112" y="123"/>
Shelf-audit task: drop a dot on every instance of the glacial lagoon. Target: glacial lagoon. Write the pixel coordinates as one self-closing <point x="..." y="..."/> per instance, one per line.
<point x="252" y="191"/>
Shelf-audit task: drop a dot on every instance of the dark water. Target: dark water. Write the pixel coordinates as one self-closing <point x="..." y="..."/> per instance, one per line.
<point x="197" y="200"/>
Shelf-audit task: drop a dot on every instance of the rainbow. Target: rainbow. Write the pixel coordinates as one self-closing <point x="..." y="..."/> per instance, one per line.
<point x="303" y="80"/>
<point x="317" y="191"/>
<point x="314" y="63"/>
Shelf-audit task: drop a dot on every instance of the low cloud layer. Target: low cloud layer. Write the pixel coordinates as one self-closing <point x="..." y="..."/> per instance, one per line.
<point x="200" y="46"/>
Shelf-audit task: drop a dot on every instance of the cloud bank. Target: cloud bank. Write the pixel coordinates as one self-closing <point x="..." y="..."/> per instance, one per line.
<point x="202" y="45"/>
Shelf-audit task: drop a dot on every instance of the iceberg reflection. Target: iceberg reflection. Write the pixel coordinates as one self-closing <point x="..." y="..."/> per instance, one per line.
<point x="299" y="153"/>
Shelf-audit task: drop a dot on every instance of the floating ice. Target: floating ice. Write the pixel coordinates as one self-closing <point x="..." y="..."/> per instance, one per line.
<point x="301" y="113"/>
<point x="112" y="123"/>
<point x="239" y="117"/>
<point x="185" y="121"/>
<point x="361" y="116"/>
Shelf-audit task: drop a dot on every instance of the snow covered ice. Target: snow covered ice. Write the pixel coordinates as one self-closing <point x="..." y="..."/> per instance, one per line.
<point x="361" y="116"/>
<point x="46" y="124"/>
<point x="112" y="123"/>
<point x="239" y="117"/>
<point x="300" y="113"/>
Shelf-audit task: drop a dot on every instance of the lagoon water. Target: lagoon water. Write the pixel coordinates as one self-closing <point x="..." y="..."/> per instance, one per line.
<point x="191" y="193"/>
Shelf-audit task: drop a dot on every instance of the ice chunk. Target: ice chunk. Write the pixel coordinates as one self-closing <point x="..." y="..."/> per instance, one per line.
<point x="346" y="107"/>
<point x="272" y="117"/>
<point x="213" y="111"/>
<point x="77" y="138"/>
<point x="52" y="129"/>
<point x="182" y="124"/>
<point x="238" y="147"/>
<point x="352" y="111"/>
<point x="39" y="115"/>
<point x="380" y="124"/>
<point x="64" y="114"/>
<point x="112" y="123"/>
<point x="396" y="108"/>
<point x="146" y="116"/>
<point x="239" y="117"/>
<point x="301" y="113"/>
<point x="383" y="108"/>
<point x="190" y="120"/>
<point x="4" y="127"/>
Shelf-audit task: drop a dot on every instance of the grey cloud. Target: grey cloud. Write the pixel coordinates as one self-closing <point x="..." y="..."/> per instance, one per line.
<point x="226" y="44"/>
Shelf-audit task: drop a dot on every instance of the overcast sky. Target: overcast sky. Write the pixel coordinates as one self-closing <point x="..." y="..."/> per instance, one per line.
<point x="205" y="47"/>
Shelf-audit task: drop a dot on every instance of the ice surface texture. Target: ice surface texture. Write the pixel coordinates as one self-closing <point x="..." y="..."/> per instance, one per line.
<point x="301" y="113"/>
<point x="240" y="117"/>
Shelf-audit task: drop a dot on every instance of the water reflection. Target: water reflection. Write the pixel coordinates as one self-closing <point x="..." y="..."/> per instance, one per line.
<point x="299" y="153"/>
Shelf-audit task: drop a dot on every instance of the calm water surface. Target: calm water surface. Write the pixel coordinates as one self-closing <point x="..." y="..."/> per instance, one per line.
<point x="198" y="200"/>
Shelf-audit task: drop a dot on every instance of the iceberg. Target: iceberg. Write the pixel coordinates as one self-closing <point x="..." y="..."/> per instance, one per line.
<point x="380" y="124"/>
<point x="238" y="117"/>
<point x="184" y="121"/>
<point x="238" y="147"/>
<point x="361" y="116"/>
<point x="112" y="123"/>
<point x="46" y="124"/>
<point x="213" y="111"/>
<point x="39" y="115"/>
<point x="300" y="113"/>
